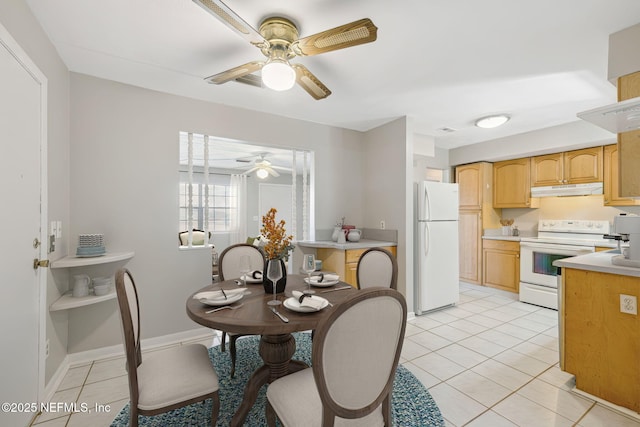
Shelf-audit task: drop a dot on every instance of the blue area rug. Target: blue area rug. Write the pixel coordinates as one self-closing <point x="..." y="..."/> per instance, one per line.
<point x="411" y="404"/>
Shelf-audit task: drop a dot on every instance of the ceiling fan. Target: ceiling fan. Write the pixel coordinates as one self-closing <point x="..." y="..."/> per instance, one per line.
<point x="263" y="167"/>
<point x="278" y="40"/>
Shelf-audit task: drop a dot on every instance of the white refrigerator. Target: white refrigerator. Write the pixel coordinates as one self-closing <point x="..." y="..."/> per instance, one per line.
<point x="436" y="252"/>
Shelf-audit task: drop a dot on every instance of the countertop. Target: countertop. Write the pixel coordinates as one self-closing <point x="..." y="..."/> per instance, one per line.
<point x="597" y="261"/>
<point x="510" y="238"/>
<point x="362" y="244"/>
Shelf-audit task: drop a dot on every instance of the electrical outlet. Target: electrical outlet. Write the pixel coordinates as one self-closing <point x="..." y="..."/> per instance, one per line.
<point x="628" y="304"/>
<point x="382" y="224"/>
<point x="46" y="349"/>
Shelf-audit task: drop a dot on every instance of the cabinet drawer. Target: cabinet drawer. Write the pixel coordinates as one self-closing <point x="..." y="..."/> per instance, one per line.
<point x="353" y="255"/>
<point x="504" y="245"/>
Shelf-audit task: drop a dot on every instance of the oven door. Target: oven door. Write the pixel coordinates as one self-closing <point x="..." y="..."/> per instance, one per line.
<point x="536" y="261"/>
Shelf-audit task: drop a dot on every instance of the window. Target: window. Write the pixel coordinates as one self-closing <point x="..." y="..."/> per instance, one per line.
<point x="221" y="206"/>
<point x="206" y="200"/>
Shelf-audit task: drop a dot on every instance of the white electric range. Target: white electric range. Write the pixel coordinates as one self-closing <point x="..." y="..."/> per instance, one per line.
<point x="556" y="239"/>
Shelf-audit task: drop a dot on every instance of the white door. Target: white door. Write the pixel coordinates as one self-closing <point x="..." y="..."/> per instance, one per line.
<point x="22" y="136"/>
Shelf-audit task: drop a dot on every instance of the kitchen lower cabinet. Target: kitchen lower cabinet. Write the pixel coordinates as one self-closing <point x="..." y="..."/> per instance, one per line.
<point x="599" y="343"/>
<point x="470" y="246"/>
<point x="501" y="267"/>
<point x="345" y="262"/>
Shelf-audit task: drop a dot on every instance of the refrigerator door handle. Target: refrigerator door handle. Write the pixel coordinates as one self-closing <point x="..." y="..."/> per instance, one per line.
<point x="427" y="205"/>
<point x="426" y="239"/>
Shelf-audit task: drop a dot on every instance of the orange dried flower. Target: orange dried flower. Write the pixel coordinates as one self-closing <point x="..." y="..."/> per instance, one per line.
<point x="278" y="243"/>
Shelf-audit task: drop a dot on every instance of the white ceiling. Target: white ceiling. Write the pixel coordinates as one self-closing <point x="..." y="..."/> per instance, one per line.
<point x="444" y="63"/>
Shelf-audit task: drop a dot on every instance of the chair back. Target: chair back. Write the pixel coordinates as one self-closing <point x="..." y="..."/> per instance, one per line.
<point x="129" y="312"/>
<point x="197" y="237"/>
<point x="356" y="351"/>
<point x="229" y="260"/>
<point x="377" y="267"/>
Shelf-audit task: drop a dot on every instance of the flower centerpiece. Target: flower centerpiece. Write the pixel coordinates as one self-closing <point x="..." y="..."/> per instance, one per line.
<point x="276" y="247"/>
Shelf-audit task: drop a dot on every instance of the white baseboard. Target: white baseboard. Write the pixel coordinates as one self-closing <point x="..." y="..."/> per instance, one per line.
<point x="55" y="381"/>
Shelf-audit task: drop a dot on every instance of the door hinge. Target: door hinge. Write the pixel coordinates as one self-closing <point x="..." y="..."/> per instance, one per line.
<point x="40" y="263"/>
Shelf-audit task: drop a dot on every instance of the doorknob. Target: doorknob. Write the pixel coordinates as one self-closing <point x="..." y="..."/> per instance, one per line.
<point x="40" y="263"/>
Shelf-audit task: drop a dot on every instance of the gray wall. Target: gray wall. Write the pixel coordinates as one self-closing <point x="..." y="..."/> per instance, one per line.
<point x="389" y="192"/>
<point x="124" y="151"/>
<point x="16" y="17"/>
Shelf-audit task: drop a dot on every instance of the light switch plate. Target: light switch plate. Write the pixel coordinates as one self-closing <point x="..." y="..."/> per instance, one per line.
<point x="628" y="304"/>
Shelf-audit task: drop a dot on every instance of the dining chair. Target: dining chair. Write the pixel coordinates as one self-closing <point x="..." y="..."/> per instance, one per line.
<point x="228" y="268"/>
<point x="348" y="388"/>
<point x="166" y="379"/>
<point x="197" y="237"/>
<point x="377" y="267"/>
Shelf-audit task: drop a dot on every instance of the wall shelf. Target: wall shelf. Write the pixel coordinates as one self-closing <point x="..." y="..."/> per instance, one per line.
<point x="72" y="261"/>
<point x="67" y="301"/>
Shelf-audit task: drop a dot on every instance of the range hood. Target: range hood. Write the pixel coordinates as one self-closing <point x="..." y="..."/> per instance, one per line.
<point x="623" y="116"/>
<point x="567" y="190"/>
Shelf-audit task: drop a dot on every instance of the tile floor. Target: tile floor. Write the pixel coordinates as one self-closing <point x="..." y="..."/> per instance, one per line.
<point x="490" y="361"/>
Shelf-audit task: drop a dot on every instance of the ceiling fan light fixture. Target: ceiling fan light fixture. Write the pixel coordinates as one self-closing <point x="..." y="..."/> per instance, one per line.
<point x="491" y="122"/>
<point x="278" y="75"/>
<point x="262" y="173"/>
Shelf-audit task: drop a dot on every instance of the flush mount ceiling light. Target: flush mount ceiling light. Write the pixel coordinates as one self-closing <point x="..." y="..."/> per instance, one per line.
<point x="490" y="122"/>
<point x="262" y="173"/>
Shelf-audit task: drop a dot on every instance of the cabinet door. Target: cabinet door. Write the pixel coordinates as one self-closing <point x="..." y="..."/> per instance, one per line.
<point x="612" y="180"/>
<point x="512" y="184"/>
<point x="501" y="269"/>
<point x="350" y="274"/>
<point x="581" y="166"/>
<point x="470" y="250"/>
<point x="546" y="170"/>
<point x="469" y="179"/>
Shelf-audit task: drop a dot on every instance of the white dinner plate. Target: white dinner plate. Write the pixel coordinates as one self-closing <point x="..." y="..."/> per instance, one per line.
<point x="215" y="298"/>
<point x="293" y="305"/>
<point x="250" y="279"/>
<point x="324" y="284"/>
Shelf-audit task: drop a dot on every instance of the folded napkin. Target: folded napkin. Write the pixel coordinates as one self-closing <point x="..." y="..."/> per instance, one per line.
<point x="309" y="300"/>
<point x="217" y="295"/>
<point x="257" y="274"/>
<point x="325" y="277"/>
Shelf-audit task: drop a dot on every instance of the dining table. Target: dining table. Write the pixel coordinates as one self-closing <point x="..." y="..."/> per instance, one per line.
<point x="255" y="317"/>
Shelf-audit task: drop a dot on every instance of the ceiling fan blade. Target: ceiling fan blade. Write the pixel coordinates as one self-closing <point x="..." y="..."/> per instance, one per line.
<point x="231" y="20"/>
<point x="247" y="172"/>
<point x="235" y="73"/>
<point x="310" y="83"/>
<point x="272" y="172"/>
<point x="352" y="34"/>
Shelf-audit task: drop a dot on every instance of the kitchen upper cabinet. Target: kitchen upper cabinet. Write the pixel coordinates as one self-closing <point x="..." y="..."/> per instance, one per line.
<point x="571" y="167"/>
<point x="512" y="184"/>
<point x="501" y="268"/>
<point x="629" y="142"/>
<point x="471" y="182"/>
<point x="612" y="179"/>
